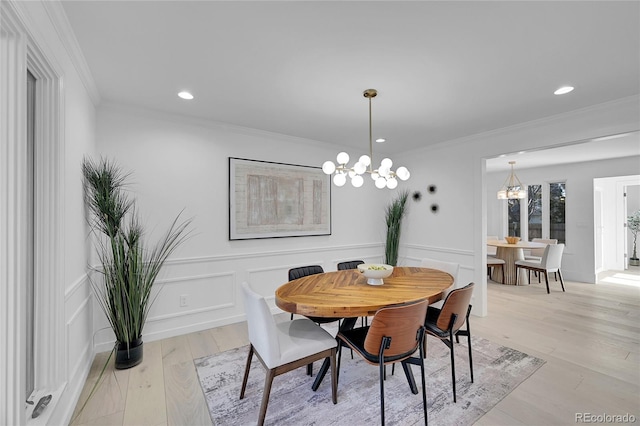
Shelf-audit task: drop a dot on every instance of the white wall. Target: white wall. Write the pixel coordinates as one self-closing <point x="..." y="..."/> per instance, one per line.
<point x="180" y="163"/>
<point x="578" y="262"/>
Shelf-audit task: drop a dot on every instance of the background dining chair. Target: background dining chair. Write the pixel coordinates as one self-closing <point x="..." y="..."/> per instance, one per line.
<point x="536" y="253"/>
<point x="491" y="251"/>
<point x="494" y="262"/>
<point x="394" y="335"/>
<point x="285" y="346"/>
<point x="351" y="264"/>
<point x="447" y="322"/>
<point x="303" y="271"/>
<point x="551" y="261"/>
<point x="449" y="267"/>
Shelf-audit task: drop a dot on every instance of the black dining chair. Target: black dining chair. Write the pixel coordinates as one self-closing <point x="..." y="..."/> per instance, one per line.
<point x="351" y="264"/>
<point x="447" y="322"/>
<point x="304" y="271"/>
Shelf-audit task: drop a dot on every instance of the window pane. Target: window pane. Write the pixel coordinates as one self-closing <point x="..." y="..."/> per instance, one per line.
<point x="557" y="193"/>
<point x="535" y="211"/>
<point x="514" y="217"/>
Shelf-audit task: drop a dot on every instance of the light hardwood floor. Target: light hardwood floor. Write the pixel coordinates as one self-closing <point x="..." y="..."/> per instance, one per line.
<point x="589" y="337"/>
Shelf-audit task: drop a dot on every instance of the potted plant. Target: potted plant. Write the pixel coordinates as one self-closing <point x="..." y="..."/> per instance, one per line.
<point x="633" y="223"/>
<point x="394" y="213"/>
<point x="128" y="268"/>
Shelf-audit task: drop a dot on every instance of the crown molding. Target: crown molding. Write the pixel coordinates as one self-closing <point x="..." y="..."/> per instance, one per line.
<point x="181" y="119"/>
<point x="70" y="42"/>
<point x="633" y="100"/>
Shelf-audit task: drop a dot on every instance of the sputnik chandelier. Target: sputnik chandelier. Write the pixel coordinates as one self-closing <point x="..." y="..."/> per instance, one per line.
<point x="512" y="188"/>
<point x="383" y="176"/>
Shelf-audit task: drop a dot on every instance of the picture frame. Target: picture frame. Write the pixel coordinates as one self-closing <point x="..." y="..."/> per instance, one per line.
<point x="276" y="200"/>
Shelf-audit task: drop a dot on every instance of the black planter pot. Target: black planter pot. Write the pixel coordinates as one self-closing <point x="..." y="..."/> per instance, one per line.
<point x="129" y="357"/>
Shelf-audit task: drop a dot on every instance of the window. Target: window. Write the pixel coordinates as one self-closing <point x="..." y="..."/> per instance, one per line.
<point x="557" y="195"/>
<point x="534" y="211"/>
<point x="514" y="218"/>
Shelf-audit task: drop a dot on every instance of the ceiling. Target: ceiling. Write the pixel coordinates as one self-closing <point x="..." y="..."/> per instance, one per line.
<point x="443" y="70"/>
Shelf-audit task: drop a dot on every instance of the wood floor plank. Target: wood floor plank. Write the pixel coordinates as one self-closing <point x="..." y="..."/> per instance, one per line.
<point x="185" y="400"/>
<point x="176" y="350"/>
<point x="231" y="336"/>
<point x="202" y="343"/>
<point x="108" y="398"/>
<point x="145" y="396"/>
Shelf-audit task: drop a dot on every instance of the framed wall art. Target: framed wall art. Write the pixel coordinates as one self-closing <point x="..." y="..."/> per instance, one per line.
<point x="274" y="200"/>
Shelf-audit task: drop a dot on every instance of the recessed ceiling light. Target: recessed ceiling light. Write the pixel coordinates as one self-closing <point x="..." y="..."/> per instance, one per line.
<point x="563" y="90"/>
<point x="185" y="95"/>
<point x="380" y="140"/>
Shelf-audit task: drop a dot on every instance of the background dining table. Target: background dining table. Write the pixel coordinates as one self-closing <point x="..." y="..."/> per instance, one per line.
<point x="510" y="253"/>
<point x="346" y="295"/>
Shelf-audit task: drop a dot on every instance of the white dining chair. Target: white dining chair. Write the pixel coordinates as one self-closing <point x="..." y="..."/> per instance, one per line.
<point x="285" y="346"/>
<point x="536" y="253"/>
<point x="451" y="268"/>
<point x="491" y="251"/>
<point x="551" y="261"/>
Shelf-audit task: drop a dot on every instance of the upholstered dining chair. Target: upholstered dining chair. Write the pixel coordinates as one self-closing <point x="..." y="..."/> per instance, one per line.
<point x="536" y="253"/>
<point x="491" y="251"/>
<point x="551" y="261"/>
<point x="494" y="262"/>
<point x="285" y="346"/>
<point x="451" y="268"/>
<point x="303" y="271"/>
<point x="351" y="264"/>
<point x="447" y="322"/>
<point x="395" y="334"/>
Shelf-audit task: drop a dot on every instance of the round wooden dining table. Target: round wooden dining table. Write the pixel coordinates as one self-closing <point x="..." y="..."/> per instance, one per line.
<point x="346" y="295"/>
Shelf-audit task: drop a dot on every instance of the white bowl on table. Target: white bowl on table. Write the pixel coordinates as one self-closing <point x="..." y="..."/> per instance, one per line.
<point x="375" y="272"/>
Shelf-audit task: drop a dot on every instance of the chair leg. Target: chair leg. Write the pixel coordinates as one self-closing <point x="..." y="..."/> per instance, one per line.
<point x="561" y="281"/>
<point x="268" y="380"/>
<point x="517" y="275"/>
<point x="546" y="280"/>
<point x="453" y="365"/>
<point x="386" y="341"/>
<point x="246" y="371"/>
<point x="339" y="359"/>
<point x="310" y="369"/>
<point x="334" y="378"/>
<point x="424" y="386"/>
<point x="469" y="343"/>
<point x="502" y="269"/>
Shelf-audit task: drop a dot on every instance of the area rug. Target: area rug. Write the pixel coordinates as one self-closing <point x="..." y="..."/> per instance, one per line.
<point x="498" y="370"/>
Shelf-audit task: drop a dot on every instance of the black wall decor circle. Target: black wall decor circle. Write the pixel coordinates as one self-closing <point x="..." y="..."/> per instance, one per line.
<point x="417" y="196"/>
<point x="434" y="208"/>
<point x="432" y="189"/>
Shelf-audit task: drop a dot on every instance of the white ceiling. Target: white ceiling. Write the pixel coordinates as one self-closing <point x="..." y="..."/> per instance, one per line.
<point x="443" y="70"/>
